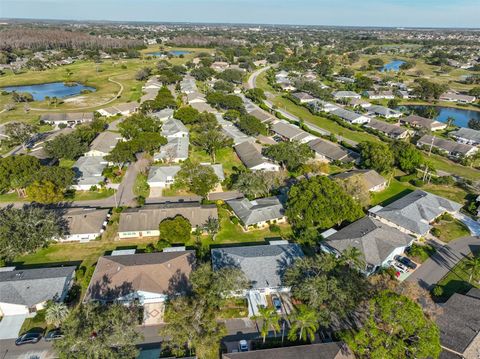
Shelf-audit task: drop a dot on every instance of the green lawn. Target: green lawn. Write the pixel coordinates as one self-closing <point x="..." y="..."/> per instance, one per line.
<point x="450" y="229"/>
<point x="395" y="190"/>
<point x="421" y="252"/>
<point x="12" y="197"/>
<point x="226" y="156"/>
<point x="93" y="195"/>
<point x="457" y="281"/>
<point x="66" y="163"/>
<point x="141" y="187"/>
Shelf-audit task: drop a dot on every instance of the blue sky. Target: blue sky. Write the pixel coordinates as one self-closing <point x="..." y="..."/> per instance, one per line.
<point x="438" y="13"/>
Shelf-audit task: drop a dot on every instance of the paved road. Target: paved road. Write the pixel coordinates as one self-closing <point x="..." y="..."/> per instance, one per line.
<point x="446" y="257"/>
<point x="251" y="84"/>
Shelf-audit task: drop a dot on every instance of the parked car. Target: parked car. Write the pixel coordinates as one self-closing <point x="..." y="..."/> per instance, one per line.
<point x="243" y="346"/>
<point x="400" y="267"/>
<point x="406" y="262"/>
<point x="277" y="303"/>
<point x="53" y="335"/>
<point x="28" y="338"/>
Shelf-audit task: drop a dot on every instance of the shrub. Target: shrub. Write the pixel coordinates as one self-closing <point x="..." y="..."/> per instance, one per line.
<point x="437" y="291"/>
<point x="274" y="228"/>
<point x="435" y="232"/>
<point x="417" y="182"/>
<point x="421" y="252"/>
<point x="234" y="220"/>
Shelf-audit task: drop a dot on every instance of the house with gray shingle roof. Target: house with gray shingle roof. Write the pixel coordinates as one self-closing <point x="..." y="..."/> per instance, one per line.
<point x="377" y="242"/>
<point x="374" y="182"/>
<point x="103" y="144"/>
<point x="388" y="129"/>
<point x="24" y="291"/>
<point x="327" y="151"/>
<point x="450" y="148"/>
<point x="174" y="128"/>
<point x="164" y="176"/>
<point x="467" y="136"/>
<point x="350" y="116"/>
<point x="263" y="265"/>
<point x="88" y="172"/>
<point x="413" y="213"/>
<point x="251" y="155"/>
<point x="175" y="150"/>
<point x="84" y="224"/>
<point x="259" y="212"/>
<point x="291" y="132"/>
<point x="459" y="324"/>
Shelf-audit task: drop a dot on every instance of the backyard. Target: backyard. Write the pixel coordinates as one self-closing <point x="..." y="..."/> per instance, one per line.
<point x="457" y="280"/>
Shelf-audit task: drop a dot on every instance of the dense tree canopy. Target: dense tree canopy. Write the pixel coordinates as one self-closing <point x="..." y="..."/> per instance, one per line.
<point x="164" y="99"/>
<point x="428" y="90"/>
<point x="187" y="114"/>
<point x="377" y="156"/>
<point x="24" y="230"/>
<point x="290" y="155"/>
<point x="197" y="178"/>
<point x="94" y="330"/>
<point x="231" y="75"/>
<point x="69" y="146"/>
<point x="225" y="101"/>
<point x="138" y="123"/>
<point x="320" y="202"/>
<point x="407" y="157"/>
<point x="256" y="95"/>
<point x="396" y="327"/>
<point x="251" y="125"/>
<point x="175" y="230"/>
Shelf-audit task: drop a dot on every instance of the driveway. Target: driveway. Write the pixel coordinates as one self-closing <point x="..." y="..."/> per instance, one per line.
<point x="10" y="326"/>
<point x="472" y="225"/>
<point x="446" y="257"/>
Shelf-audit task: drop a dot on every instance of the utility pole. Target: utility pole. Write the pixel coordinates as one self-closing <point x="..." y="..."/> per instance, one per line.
<point x="431" y="146"/>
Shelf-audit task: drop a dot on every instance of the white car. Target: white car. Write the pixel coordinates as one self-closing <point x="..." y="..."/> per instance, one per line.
<point x="243" y="346"/>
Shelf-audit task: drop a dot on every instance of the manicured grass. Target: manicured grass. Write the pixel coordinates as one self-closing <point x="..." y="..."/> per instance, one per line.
<point x="395" y="190"/>
<point x="141" y="187"/>
<point x="453" y="193"/>
<point x="93" y="195"/>
<point x="12" y="197"/>
<point x="450" y="229"/>
<point x="421" y="252"/>
<point x="233" y="233"/>
<point x="35" y="324"/>
<point x="234" y="308"/>
<point x="457" y="281"/>
<point x="226" y="156"/>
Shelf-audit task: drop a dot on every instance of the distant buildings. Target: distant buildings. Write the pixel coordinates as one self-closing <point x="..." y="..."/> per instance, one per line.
<point x="291" y="132"/>
<point x="419" y="122"/>
<point x="457" y="97"/>
<point x="341" y="95"/>
<point x="123" y="109"/>
<point x="66" y="119"/>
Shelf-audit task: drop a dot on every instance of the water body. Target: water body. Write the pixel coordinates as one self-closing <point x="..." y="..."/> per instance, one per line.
<point x="392" y="66"/>
<point x="173" y="53"/>
<point x="461" y="116"/>
<point x="51" y="89"/>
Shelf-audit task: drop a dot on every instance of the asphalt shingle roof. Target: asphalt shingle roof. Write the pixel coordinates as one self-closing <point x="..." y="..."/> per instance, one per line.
<point x="34" y="286"/>
<point x="264" y="265"/>
<point x="259" y="210"/>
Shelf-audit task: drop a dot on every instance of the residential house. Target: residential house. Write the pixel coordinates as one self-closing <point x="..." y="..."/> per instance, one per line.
<point x="66" y="119"/>
<point x="232" y="131"/>
<point x="459" y="324"/>
<point x="287" y="87"/>
<point x="457" y="97"/>
<point x="103" y="144"/>
<point x="176" y="150"/>
<point x="374" y="182"/>
<point x="303" y="97"/>
<point x="419" y="122"/>
<point x="262" y="115"/>
<point x="124" y="109"/>
<point x="321" y="106"/>
<point x="25" y="291"/>
<point x="263" y="265"/>
<point x="220" y="66"/>
<point x="344" y="80"/>
<point x="377" y="242"/>
<point x="164" y="176"/>
<point x="259" y="212"/>
<point x="251" y="155"/>
<point x="203" y="107"/>
<point x="414" y="213"/>
<point x="450" y="148"/>
<point x="388" y="129"/>
<point x="379" y="95"/>
<point x="84" y="224"/>
<point x="466" y="136"/>
<point x="145" y="221"/>
<point x="334" y="350"/>
<point x="173" y="128"/>
<point x="354" y="102"/>
<point x="350" y="116"/>
<point x="163" y="115"/>
<point x="196" y="97"/>
<point x="188" y="84"/>
<point x="291" y="132"/>
<point x="327" y="151"/>
<point x="384" y="111"/>
<point x="341" y="95"/>
<point x="88" y="172"/>
<point x="147" y="279"/>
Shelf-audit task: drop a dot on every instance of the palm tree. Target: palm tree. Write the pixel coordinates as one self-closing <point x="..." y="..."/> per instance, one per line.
<point x="56" y="313"/>
<point x="472" y="266"/>
<point x="353" y="257"/>
<point x="304" y="324"/>
<point x="450" y="121"/>
<point x="270" y="318"/>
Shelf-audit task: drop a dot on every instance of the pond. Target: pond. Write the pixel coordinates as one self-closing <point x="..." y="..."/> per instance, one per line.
<point x="392" y="66"/>
<point x="173" y="53"/>
<point x="51" y="89"/>
<point x="461" y="116"/>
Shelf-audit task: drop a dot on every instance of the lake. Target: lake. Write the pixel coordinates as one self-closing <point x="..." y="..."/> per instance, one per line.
<point x="461" y="116"/>
<point x="51" y="89"/>
<point x="392" y="66"/>
<point x="173" y="53"/>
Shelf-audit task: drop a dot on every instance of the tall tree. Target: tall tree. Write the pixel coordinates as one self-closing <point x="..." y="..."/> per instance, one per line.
<point x="320" y="202"/>
<point x="56" y="313"/>
<point x="328" y="286"/>
<point x="304" y="324"/>
<point x="175" y="230"/>
<point x="197" y="178"/>
<point x="270" y="319"/>
<point x="407" y="157"/>
<point x="290" y="155"/>
<point x="44" y="192"/>
<point x="211" y="141"/>
<point x="377" y="156"/>
<point x="68" y="146"/>
<point x="24" y="230"/>
<point x="396" y="327"/>
<point x="472" y="266"/>
<point x="251" y="125"/>
<point x="95" y="330"/>
<point x="20" y="133"/>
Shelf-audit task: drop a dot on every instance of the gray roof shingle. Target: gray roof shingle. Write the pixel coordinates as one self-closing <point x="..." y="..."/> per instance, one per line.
<point x="259" y="210"/>
<point x="34" y="286"/>
<point x="264" y="265"/>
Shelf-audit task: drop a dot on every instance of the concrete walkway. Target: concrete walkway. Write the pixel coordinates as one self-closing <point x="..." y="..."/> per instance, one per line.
<point x="10" y="326"/>
<point x="446" y="257"/>
<point x="472" y="225"/>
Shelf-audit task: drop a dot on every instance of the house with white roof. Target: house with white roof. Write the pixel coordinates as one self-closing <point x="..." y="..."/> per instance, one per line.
<point x="88" y="172"/>
<point x="350" y="116"/>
